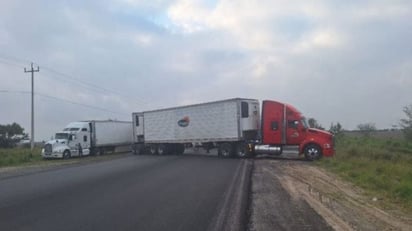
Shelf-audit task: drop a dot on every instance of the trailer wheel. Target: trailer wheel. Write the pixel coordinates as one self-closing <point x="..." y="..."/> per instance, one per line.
<point x="312" y="152"/>
<point x="138" y="149"/>
<point x="153" y="149"/>
<point x="141" y="150"/>
<point x="66" y="154"/>
<point x="225" y="150"/>
<point x="179" y="149"/>
<point x="163" y="149"/>
<point x="241" y="150"/>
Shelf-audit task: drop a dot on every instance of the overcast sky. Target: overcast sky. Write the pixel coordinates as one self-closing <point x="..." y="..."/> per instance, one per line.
<point x="336" y="61"/>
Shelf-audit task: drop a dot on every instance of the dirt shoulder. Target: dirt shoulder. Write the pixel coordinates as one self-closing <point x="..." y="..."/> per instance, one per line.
<point x="273" y="207"/>
<point x="342" y="205"/>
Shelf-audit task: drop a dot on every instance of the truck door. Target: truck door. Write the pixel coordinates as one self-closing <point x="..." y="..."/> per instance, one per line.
<point x="295" y="131"/>
<point x="273" y="127"/>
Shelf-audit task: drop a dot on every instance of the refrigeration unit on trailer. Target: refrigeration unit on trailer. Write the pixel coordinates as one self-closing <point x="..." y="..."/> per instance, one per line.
<point x="92" y="137"/>
<point x="234" y="127"/>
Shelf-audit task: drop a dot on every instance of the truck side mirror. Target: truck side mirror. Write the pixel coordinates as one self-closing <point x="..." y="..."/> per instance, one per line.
<point x="70" y="137"/>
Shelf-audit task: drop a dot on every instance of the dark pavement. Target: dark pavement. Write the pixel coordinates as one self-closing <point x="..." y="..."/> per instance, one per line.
<point x="186" y="192"/>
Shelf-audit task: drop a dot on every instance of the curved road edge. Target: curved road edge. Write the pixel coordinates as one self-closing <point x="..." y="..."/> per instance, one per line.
<point x="233" y="211"/>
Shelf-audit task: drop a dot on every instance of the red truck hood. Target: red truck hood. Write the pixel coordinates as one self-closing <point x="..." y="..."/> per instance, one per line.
<point x="319" y="131"/>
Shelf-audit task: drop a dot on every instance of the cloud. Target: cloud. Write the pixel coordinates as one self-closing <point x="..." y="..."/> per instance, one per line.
<point x="335" y="61"/>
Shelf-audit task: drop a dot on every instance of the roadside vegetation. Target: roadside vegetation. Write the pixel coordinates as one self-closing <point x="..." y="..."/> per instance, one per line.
<point x="383" y="167"/>
<point x="19" y="156"/>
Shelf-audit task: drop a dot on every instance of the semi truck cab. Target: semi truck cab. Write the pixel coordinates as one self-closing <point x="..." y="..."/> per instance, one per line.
<point x="284" y="127"/>
<point x="74" y="140"/>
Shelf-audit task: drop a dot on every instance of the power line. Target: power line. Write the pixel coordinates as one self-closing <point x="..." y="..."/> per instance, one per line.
<point x="10" y="63"/>
<point x="63" y="100"/>
<point x="11" y="60"/>
<point x="15" y="59"/>
<point x="91" y="85"/>
<point x="80" y="104"/>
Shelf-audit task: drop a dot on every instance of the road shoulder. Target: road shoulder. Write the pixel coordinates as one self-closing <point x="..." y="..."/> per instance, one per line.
<point x="274" y="208"/>
<point x="341" y="205"/>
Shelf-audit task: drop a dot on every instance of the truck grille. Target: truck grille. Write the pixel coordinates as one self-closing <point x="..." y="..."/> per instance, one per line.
<point x="48" y="149"/>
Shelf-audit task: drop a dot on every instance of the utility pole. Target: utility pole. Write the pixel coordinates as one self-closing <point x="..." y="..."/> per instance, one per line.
<point x="32" y="105"/>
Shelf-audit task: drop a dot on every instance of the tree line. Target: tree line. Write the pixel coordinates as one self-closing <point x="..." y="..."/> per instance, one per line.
<point x="11" y="134"/>
<point x="367" y="128"/>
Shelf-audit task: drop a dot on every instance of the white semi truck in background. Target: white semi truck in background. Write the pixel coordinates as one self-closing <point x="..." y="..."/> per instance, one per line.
<point x="236" y="127"/>
<point x="92" y="137"/>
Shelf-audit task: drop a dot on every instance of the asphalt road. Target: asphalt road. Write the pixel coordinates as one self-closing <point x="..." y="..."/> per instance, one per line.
<point x="133" y="193"/>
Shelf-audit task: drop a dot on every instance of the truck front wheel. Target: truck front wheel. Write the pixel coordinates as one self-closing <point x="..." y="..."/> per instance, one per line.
<point x="312" y="152"/>
<point x="66" y="154"/>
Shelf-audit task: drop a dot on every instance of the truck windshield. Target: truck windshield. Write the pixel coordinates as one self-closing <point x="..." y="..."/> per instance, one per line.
<point x="304" y="122"/>
<point x="71" y="129"/>
<point x="62" y="136"/>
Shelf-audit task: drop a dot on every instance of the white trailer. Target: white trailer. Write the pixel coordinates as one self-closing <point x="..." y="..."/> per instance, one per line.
<point x="223" y="124"/>
<point x="89" y="138"/>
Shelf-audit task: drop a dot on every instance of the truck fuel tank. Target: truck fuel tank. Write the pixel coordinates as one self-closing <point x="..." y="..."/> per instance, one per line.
<point x="268" y="149"/>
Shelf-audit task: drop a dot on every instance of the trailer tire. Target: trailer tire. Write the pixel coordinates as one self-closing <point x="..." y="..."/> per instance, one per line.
<point x="225" y="150"/>
<point x="241" y="150"/>
<point x="66" y="154"/>
<point x="163" y="149"/>
<point x="141" y="150"/>
<point x="312" y="152"/>
<point x="138" y="149"/>
<point x="153" y="150"/>
<point x="179" y="149"/>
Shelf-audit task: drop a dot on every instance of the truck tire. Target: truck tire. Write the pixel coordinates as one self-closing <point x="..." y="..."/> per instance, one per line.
<point x="179" y="149"/>
<point x="66" y="154"/>
<point x="312" y="152"/>
<point x="153" y="150"/>
<point x="225" y="150"/>
<point x="134" y="149"/>
<point x="163" y="149"/>
<point x="241" y="150"/>
<point x="92" y="151"/>
<point x="138" y="149"/>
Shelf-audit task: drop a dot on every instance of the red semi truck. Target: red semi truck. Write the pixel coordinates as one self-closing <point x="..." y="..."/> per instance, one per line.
<point x="236" y="127"/>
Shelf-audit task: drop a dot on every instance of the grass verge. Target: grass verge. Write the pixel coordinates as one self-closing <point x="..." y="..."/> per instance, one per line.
<point x="19" y="156"/>
<point x="13" y="157"/>
<point x="383" y="168"/>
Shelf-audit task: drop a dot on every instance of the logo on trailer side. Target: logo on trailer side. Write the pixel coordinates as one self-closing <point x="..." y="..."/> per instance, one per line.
<point x="184" y="122"/>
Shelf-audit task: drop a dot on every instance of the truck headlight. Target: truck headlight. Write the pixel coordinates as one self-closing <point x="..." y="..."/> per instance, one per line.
<point x="327" y="145"/>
